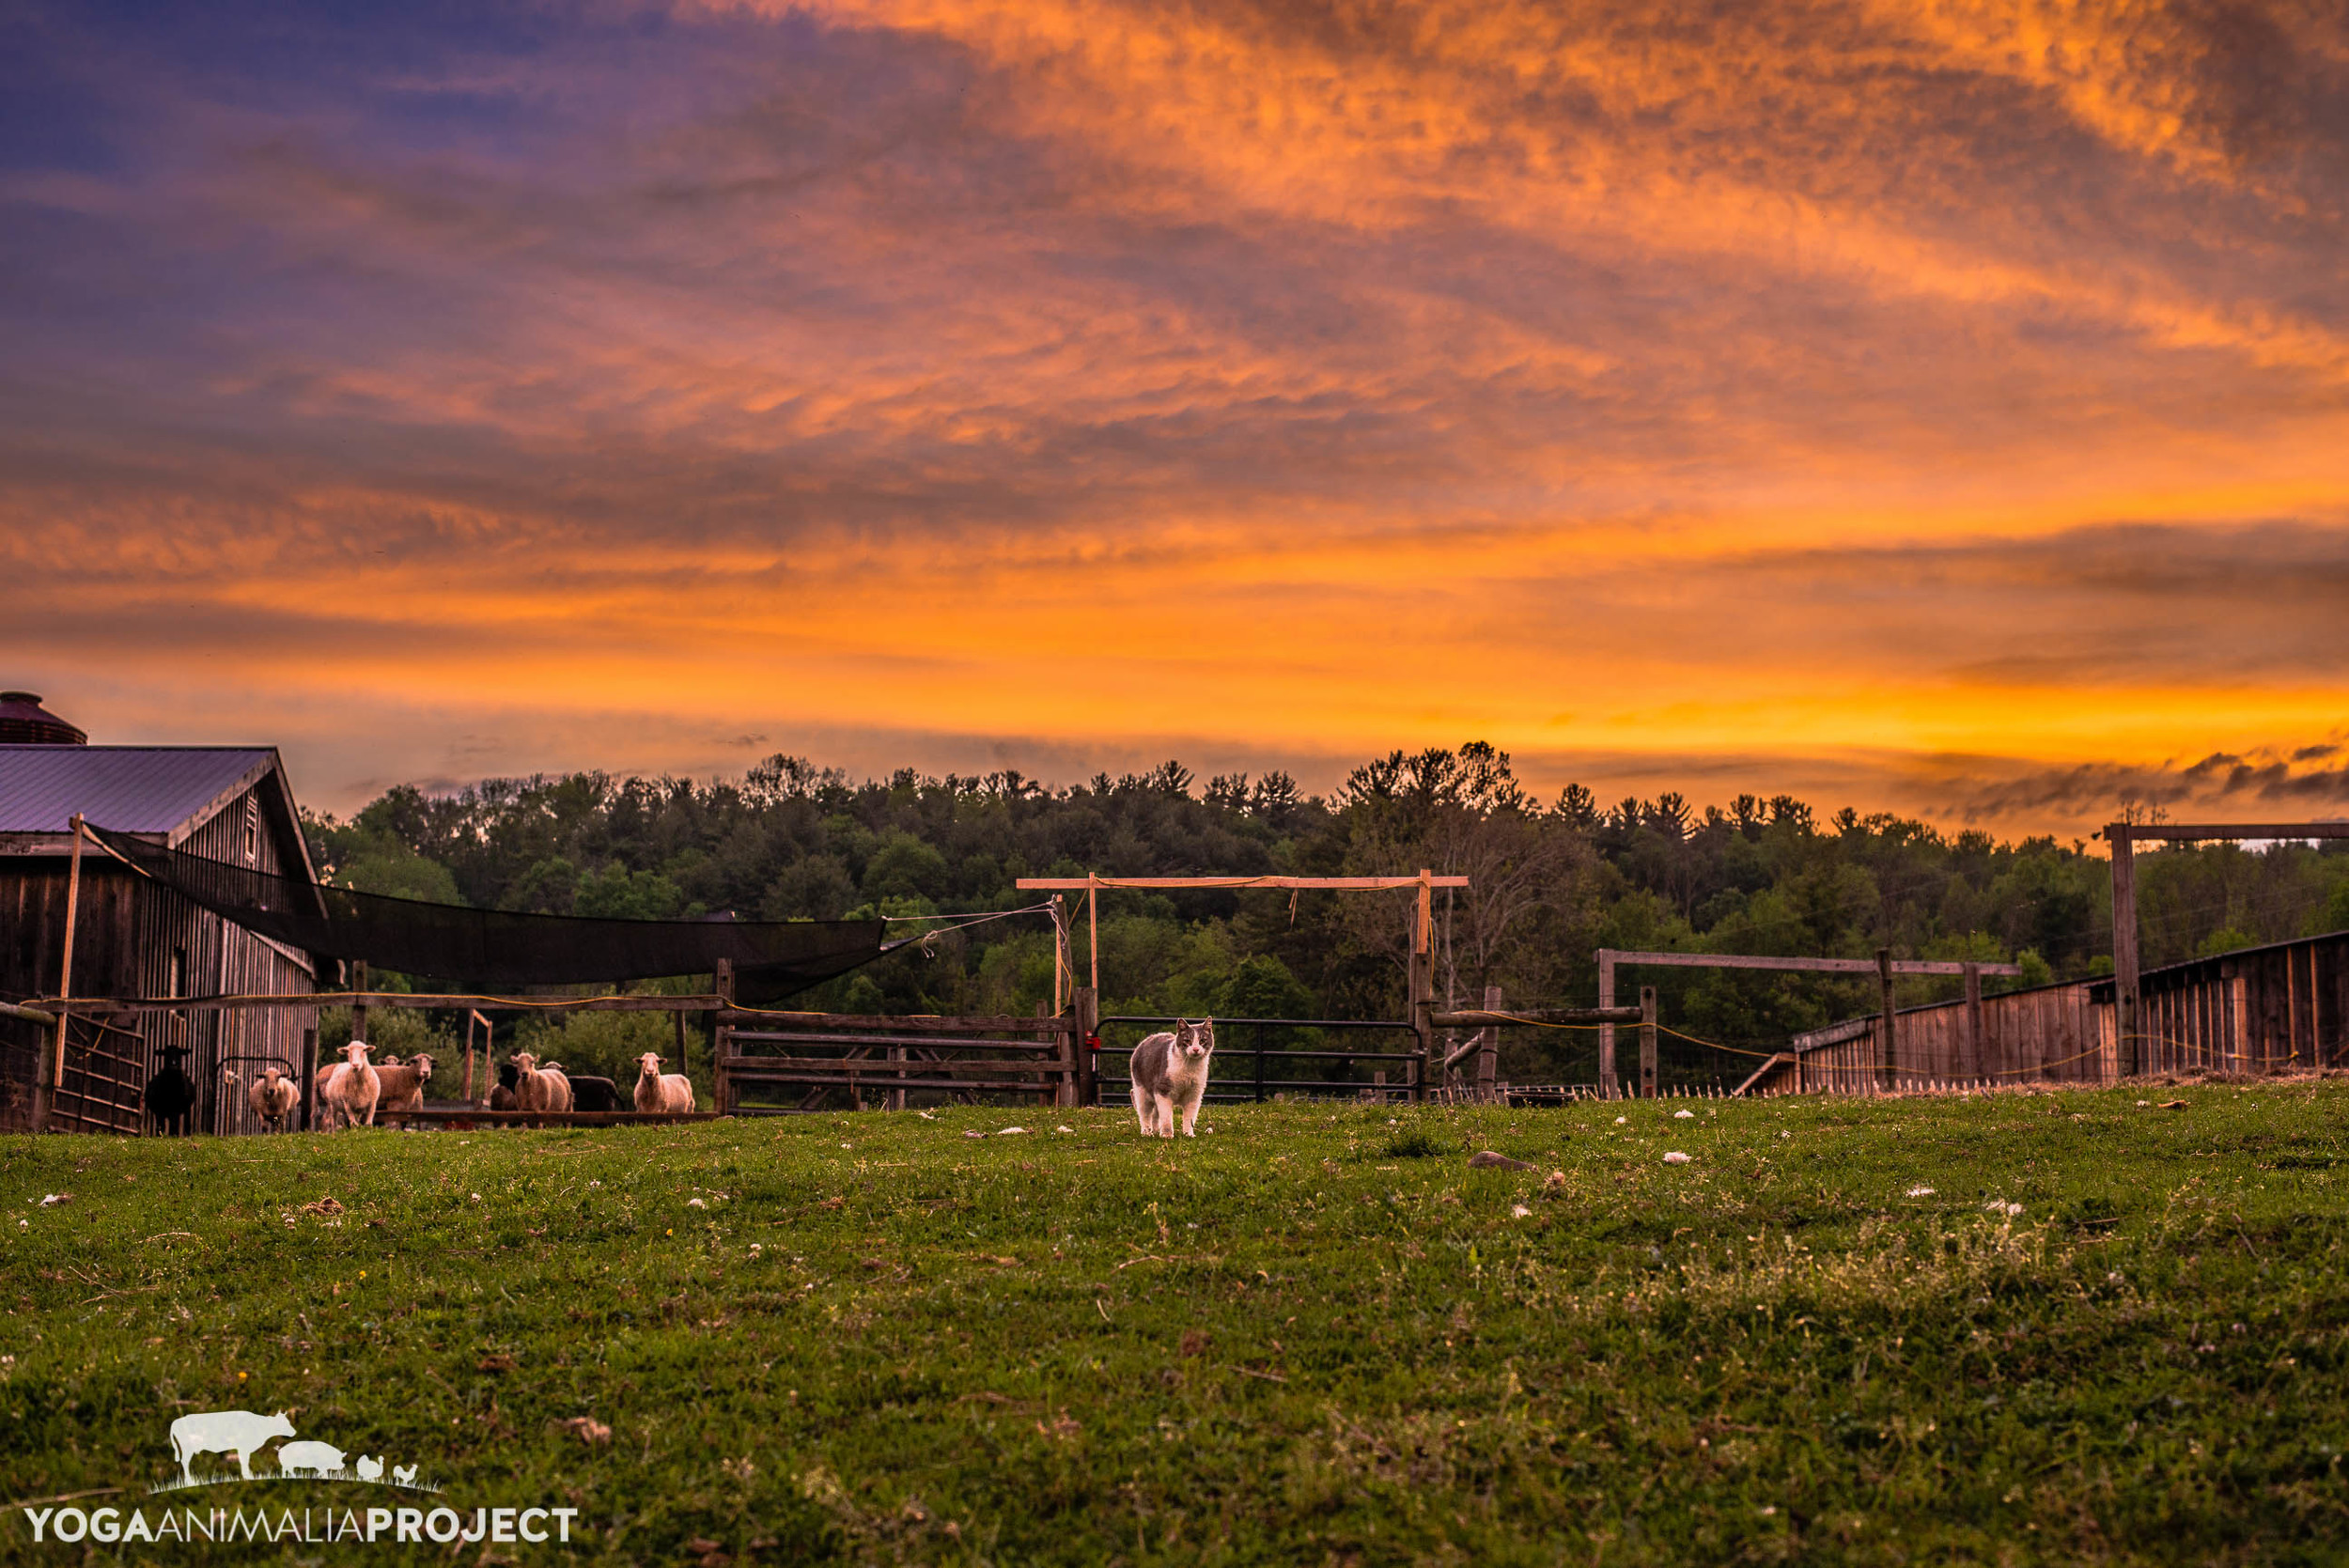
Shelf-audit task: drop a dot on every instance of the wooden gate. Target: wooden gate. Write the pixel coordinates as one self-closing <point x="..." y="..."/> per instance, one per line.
<point x="798" y="1058"/>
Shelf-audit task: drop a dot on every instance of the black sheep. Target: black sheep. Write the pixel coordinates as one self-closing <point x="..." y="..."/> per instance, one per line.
<point x="170" y="1097"/>
<point x="502" y="1097"/>
<point x="596" y="1093"/>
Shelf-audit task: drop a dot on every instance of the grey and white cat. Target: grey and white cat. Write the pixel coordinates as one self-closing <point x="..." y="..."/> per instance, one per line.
<point x="1170" y="1072"/>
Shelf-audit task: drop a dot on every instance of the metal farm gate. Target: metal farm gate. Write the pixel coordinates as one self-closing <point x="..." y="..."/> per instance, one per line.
<point x="1258" y="1059"/>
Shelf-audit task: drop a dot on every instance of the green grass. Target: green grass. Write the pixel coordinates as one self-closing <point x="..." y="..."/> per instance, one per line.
<point x="1310" y="1337"/>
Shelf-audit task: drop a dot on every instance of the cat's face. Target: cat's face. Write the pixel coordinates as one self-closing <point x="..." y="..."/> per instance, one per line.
<point x="1194" y="1039"/>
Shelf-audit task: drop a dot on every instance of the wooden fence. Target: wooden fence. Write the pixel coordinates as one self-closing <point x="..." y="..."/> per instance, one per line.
<point x="2279" y="1008"/>
<point x="810" y="1056"/>
<point x="2048" y="1034"/>
<point x="2274" y="1009"/>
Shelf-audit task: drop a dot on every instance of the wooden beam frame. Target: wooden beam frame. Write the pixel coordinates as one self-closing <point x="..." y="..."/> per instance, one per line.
<point x="1419" y="963"/>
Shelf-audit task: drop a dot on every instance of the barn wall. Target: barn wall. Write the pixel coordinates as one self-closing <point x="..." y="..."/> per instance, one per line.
<point x="228" y="960"/>
<point x="132" y="938"/>
<point x="106" y="962"/>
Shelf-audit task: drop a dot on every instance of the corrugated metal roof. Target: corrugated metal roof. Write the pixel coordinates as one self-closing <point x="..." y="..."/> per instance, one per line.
<point x="130" y="789"/>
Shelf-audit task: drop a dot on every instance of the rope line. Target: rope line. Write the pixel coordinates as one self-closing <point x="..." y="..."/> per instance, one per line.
<point x="1534" y="1023"/>
<point x="1715" y="1045"/>
<point x="978" y="918"/>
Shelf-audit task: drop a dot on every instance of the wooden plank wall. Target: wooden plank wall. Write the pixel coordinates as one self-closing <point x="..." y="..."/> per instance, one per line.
<point x="235" y="962"/>
<point x="2048" y="1034"/>
<point x="2278" y="1009"/>
<point x="2262" y="1010"/>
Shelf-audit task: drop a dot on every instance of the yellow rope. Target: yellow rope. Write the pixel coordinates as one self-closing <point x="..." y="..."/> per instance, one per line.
<point x="1714" y="1045"/>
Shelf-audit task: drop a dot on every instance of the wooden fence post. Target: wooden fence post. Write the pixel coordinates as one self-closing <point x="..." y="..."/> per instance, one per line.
<point x="1421" y="975"/>
<point x="359" y="1009"/>
<point x="1887" y="1066"/>
<point x="1647" y="1042"/>
<point x="309" y="1071"/>
<point x="1607" y="1031"/>
<point x="1974" y="1031"/>
<point x="1051" y="1093"/>
<point x="2127" y="1000"/>
<point x="1088" y="1003"/>
<point x="720" y="1048"/>
<point x="65" y="976"/>
<point x="1488" y="1048"/>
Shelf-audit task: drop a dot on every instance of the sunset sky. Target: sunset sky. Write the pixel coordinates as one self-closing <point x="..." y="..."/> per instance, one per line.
<point x="1934" y="407"/>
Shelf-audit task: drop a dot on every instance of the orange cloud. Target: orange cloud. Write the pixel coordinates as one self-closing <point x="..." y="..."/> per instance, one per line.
<point x="1945" y="395"/>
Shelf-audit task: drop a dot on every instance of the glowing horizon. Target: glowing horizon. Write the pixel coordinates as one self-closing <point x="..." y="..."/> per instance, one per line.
<point x="1936" y="408"/>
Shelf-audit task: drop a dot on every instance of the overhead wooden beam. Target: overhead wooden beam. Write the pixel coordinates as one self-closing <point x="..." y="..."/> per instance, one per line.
<point x="1608" y="957"/>
<point x="2224" y="831"/>
<point x="1308" y="884"/>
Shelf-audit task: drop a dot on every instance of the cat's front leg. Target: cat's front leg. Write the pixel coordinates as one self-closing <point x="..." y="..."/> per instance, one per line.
<point x="1191" y="1117"/>
<point x="1166" y="1115"/>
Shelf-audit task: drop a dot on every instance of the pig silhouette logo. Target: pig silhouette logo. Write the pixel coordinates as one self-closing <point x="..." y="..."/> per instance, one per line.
<point x="237" y="1432"/>
<point x="317" y="1458"/>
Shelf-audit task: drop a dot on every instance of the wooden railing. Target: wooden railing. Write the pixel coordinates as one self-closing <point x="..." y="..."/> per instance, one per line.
<point x="817" y="1054"/>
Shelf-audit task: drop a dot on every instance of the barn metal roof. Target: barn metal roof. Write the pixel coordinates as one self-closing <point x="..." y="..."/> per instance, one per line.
<point x="167" y="790"/>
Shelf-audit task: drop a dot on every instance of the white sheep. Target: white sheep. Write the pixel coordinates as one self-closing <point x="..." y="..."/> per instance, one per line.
<point x="401" y="1088"/>
<point x="671" y="1093"/>
<point x="349" y="1090"/>
<point x="272" y="1097"/>
<point x="538" y="1087"/>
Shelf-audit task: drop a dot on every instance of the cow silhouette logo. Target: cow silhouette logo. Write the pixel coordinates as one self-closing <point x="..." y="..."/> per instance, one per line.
<point x="237" y="1432"/>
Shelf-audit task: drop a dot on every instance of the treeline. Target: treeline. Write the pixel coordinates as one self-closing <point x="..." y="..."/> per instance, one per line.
<point x="1551" y="883"/>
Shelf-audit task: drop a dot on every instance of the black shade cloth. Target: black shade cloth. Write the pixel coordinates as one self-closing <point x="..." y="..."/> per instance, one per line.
<point x="772" y="959"/>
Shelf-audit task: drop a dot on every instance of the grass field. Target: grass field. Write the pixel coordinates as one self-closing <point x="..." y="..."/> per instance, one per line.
<point x="2050" y="1327"/>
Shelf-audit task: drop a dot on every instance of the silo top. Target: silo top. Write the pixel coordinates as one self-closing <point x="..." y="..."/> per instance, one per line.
<point x="24" y="722"/>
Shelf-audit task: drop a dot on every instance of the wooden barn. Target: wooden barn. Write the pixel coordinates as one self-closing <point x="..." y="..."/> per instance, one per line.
<point x="134" y="938"/>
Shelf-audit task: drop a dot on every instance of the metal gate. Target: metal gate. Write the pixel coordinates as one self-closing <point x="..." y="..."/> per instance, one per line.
<point x="1252" y="1058"/>
<point x="106" y="1069"/>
